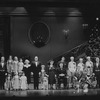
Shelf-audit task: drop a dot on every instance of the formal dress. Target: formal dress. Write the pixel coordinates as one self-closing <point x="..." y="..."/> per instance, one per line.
<point x="23" y="82"/>
<point x="16" y="82"/>
<point x="15" y="66"/>
<point x="52" y="73"/>
<point x="27" y="71"/>
<point x="10" y="66"/>
<point x="36" y="68"/>
<point x="62" y="77"/>
<point x="8" y="83"/>
<point x="20" y="66"/>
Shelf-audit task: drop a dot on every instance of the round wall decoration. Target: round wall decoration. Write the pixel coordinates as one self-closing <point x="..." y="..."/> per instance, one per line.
<point x="39" y="34"/>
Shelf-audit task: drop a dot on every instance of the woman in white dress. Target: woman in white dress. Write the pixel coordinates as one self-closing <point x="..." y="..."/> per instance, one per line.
<point x="15" y="65"/>
<point x="20" y="66"/>
<point x="10" y="65"/>
<point x="42" y="76"/>
<point x="8" y="84"/>
<point x="23" y="82"/>
<point x="16" y="82"/>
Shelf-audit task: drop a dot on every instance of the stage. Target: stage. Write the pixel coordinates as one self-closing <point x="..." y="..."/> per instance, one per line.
<point x="50" y="93"/>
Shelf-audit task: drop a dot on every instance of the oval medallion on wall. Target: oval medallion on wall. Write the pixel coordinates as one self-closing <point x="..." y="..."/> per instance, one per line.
<point x="39" y="34"/>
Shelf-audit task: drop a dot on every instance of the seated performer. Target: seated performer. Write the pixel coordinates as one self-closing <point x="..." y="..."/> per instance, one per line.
<point x="79" y="69"/>
<point x="62" y="61"/>
<point x="61" y="74"/>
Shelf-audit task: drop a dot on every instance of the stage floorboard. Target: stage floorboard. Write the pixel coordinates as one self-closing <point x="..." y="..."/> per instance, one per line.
<point x="43" y="93"/>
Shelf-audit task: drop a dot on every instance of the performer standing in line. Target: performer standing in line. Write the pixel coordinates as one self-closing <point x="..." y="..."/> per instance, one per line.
<point x="71" y="71"/>
<point x="3" y="71"/>
<point x="36" y="69"/>
<point x="27" y="71"/>
<point x="97" y="71"/>
<point x="61" y="76"/>
<point x="15" y="65"/>
<point x="20" y="66"/>
<point x="52" y="74"/>
<point x="23" y="82"/>
<point x="10" y="65"/>
<point x="79" y="68"/>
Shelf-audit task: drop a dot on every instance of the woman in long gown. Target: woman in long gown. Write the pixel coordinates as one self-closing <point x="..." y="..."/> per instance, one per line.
<point x="23" y="82"/>
<point x="10" y="65"/>
<point x="16" y="82"/>
<point x="15" y="65"/>
<point x="20" y="66"/>
<point x="26" y="70"/>
<point x="52" y="74"/>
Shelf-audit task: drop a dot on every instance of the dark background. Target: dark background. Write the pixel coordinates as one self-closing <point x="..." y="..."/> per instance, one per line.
<point x="59" y="15"/>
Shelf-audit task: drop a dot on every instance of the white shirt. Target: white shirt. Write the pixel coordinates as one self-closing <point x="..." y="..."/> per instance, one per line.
<point x="72" y="66"/>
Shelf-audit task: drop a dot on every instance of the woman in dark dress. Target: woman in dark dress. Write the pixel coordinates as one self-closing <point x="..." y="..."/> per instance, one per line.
<point x="27" y="71"/>
<point x="52" y="74"/>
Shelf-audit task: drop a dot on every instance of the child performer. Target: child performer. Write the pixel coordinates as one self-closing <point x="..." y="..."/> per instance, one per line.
<point x="8" y="84"/>
<point x="43" y="77"/>
<point x="23" y="82"/>
<point x="16" y="82"/>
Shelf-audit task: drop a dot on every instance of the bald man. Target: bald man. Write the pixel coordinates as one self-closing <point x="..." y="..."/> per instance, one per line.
<point x="36" y="69"/>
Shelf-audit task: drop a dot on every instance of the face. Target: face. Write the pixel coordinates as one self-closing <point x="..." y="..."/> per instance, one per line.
<point x="51" y="62"/>
<point x="15" y="58"/>
<point x="81" y="60"/>
<point x="88" y="58"/>
<point x="10" y="57"/>
<point x="72" y="58"/>
<point x="21" y="60"/>
<point x="2" y="58"/>
<point x="63" y="58"/>
<point x="43" y="66"/>
<point x="61" y="65"/>
<point x="36" y="58"/>
<point x="97" y="59"/>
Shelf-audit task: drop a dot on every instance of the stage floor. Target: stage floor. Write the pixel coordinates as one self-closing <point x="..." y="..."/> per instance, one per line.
<point x="43" y="93"/>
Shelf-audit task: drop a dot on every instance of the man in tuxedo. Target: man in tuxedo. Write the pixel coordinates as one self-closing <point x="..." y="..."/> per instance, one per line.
<point x="96" y="70"/>
<point x="3" y="71"/>
<point x="36" y="69"/>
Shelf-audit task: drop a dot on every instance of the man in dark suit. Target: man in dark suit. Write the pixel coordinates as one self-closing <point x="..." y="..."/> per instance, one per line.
<point x="3" y="71"/>
<point x="36" y="69"/>
<point x="61" y="74"/>
<point x="96" y="70"/>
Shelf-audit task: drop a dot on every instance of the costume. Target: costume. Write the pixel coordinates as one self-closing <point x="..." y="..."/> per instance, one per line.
<point x="23" y="82"/>
<point x="36" y="68"/>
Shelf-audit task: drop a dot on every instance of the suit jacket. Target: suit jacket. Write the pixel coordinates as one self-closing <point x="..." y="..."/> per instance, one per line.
<point x="3" y="68"/>
<point x="36" y="69"/>
<point x="95" y="68"/>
